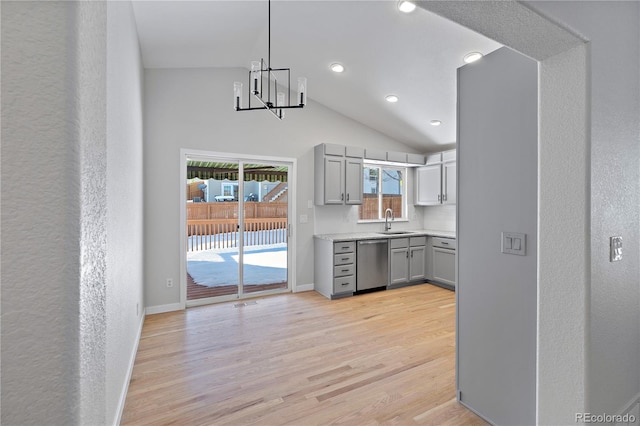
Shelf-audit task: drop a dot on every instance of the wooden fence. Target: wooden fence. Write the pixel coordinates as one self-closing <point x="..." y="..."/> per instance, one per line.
<point x="193" y="191"/>
<point x="229" y="210"/>
<point x="215" y="225"/>
<point x="369" y="208"/>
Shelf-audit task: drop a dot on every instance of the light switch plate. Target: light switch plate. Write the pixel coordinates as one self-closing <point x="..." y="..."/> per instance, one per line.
<point x="514" y="243"/>
<point x="615" y="249"/>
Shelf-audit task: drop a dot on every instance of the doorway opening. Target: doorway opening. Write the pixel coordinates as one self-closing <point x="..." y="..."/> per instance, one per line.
<point x="236" y="227"/>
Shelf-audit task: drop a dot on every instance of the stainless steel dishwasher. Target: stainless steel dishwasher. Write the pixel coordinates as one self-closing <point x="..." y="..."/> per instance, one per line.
<point x="372" y="268"/>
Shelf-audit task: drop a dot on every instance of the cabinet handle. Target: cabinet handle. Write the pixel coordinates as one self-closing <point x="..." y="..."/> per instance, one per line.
<point x="345" y="258"/>
<point x="439" y="197"/>
<point x="347" y="196"/>
<point x="411" y="253"/>
<point x="407" y="255"/>
<point x="343" y="284"/>
<point x="342" y="197"/>
<point x="345" y="270"/>
<point x="444" y="197"/>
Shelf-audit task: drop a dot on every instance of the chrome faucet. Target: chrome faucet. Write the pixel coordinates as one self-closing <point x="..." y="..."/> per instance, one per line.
<point x="387" y="213"/>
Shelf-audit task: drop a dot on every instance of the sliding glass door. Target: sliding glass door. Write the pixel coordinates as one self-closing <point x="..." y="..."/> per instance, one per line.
<point x="237" y="228"/>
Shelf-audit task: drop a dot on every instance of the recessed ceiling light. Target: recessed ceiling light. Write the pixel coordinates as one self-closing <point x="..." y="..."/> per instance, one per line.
<point x="336" y="67"/>
<point x="472" y="57"/>
<point x="391" y="98"/>
<point x="435" y="122"/>
<point x="406" y="6"/>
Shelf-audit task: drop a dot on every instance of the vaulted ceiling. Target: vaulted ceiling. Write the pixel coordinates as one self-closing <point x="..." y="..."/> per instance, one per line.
<point x="414" y="56"/>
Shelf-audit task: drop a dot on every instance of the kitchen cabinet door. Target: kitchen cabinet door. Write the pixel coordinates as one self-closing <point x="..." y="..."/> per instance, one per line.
<point x="444" y="266"/>
<point x="428" y="185"/>
<point x="353" y="181"/>
<point x="334" y="180"/>
<point x="449" y="183"/>
<point x="399" y="265"/>
<point x="417" y="264"/>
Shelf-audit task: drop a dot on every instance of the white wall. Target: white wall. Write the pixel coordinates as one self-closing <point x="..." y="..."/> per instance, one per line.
<point x="613" y="374"/>
<point x="125" y="301"/>
<point x="497" y="192"/>
<point x="193" y="108"/>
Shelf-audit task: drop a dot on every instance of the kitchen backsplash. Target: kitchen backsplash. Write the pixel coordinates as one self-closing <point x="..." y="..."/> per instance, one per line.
<point x="441" y="218"/>
<point x="344" y="219"/>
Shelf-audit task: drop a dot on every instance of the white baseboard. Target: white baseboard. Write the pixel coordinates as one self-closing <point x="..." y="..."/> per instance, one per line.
<point x="303" y="287"/>
<point x="132" y="360"/>
<point x="159" y="309"/>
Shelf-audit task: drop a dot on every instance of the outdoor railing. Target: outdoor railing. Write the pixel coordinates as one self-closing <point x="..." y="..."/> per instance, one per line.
<point x="207" y="234"/>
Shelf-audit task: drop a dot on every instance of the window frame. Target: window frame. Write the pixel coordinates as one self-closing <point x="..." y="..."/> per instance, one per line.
<point x="403" y="189"/>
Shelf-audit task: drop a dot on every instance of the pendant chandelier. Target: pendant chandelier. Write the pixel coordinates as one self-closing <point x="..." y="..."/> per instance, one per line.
<point x="270" y="86"/>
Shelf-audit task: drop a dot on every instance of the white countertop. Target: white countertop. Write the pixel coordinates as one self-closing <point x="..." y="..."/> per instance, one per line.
<point x="353" y="236"/>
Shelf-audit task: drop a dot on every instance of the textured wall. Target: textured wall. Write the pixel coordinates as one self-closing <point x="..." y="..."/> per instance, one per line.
<point x="588" y="308"/>
<point x="72" y="255"/>
<point x="191" y="108"/>
<point x="613" y="375"/>
<point x="90" y="31"/>
<point x="40" y="234"/>
<point x="563" y="220"/>
<point x="53" y="242"/>
<point x="124" y="202"/>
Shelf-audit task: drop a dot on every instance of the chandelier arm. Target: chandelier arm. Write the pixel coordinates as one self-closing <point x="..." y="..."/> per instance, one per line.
<point x="257" y="89"/>
<point x="269" y="39"/>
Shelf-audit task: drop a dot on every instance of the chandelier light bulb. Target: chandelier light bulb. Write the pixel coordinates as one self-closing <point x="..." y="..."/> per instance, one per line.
<point x="392" y="99"/>
<point x="263" y="85"/>
<point x="237" y="95"/>
<point x="256" y="70"/>
<point x="302" y="91"/>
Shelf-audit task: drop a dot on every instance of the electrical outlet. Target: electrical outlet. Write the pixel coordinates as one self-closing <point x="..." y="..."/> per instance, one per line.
<point x="169" y="282"/>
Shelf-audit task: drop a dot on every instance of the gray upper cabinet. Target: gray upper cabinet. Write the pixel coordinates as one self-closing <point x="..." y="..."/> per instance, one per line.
<point x="338" y="175"/>
<point x="436" y="182"/>
<point x="334" y="178"/>
<point x="428" y="185"/>
<point x="449" y="183"/>
<point x="353" y="181"/>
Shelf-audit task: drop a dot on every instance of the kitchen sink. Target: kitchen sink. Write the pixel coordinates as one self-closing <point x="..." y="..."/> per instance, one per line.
<point x="394" y="232"/>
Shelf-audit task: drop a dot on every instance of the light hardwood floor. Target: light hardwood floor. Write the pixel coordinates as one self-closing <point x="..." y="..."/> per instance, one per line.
<point x="300" y="359"/>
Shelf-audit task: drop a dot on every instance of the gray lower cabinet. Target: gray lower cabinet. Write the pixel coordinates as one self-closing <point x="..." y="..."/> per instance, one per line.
<point x="443" y="260"/>
<point x="407" y="258"/>
<point x="398" y="261"/>
<point x="335" y="269"/>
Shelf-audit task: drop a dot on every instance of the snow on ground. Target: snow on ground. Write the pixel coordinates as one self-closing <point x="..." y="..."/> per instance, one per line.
<point x="263" y="264"/>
